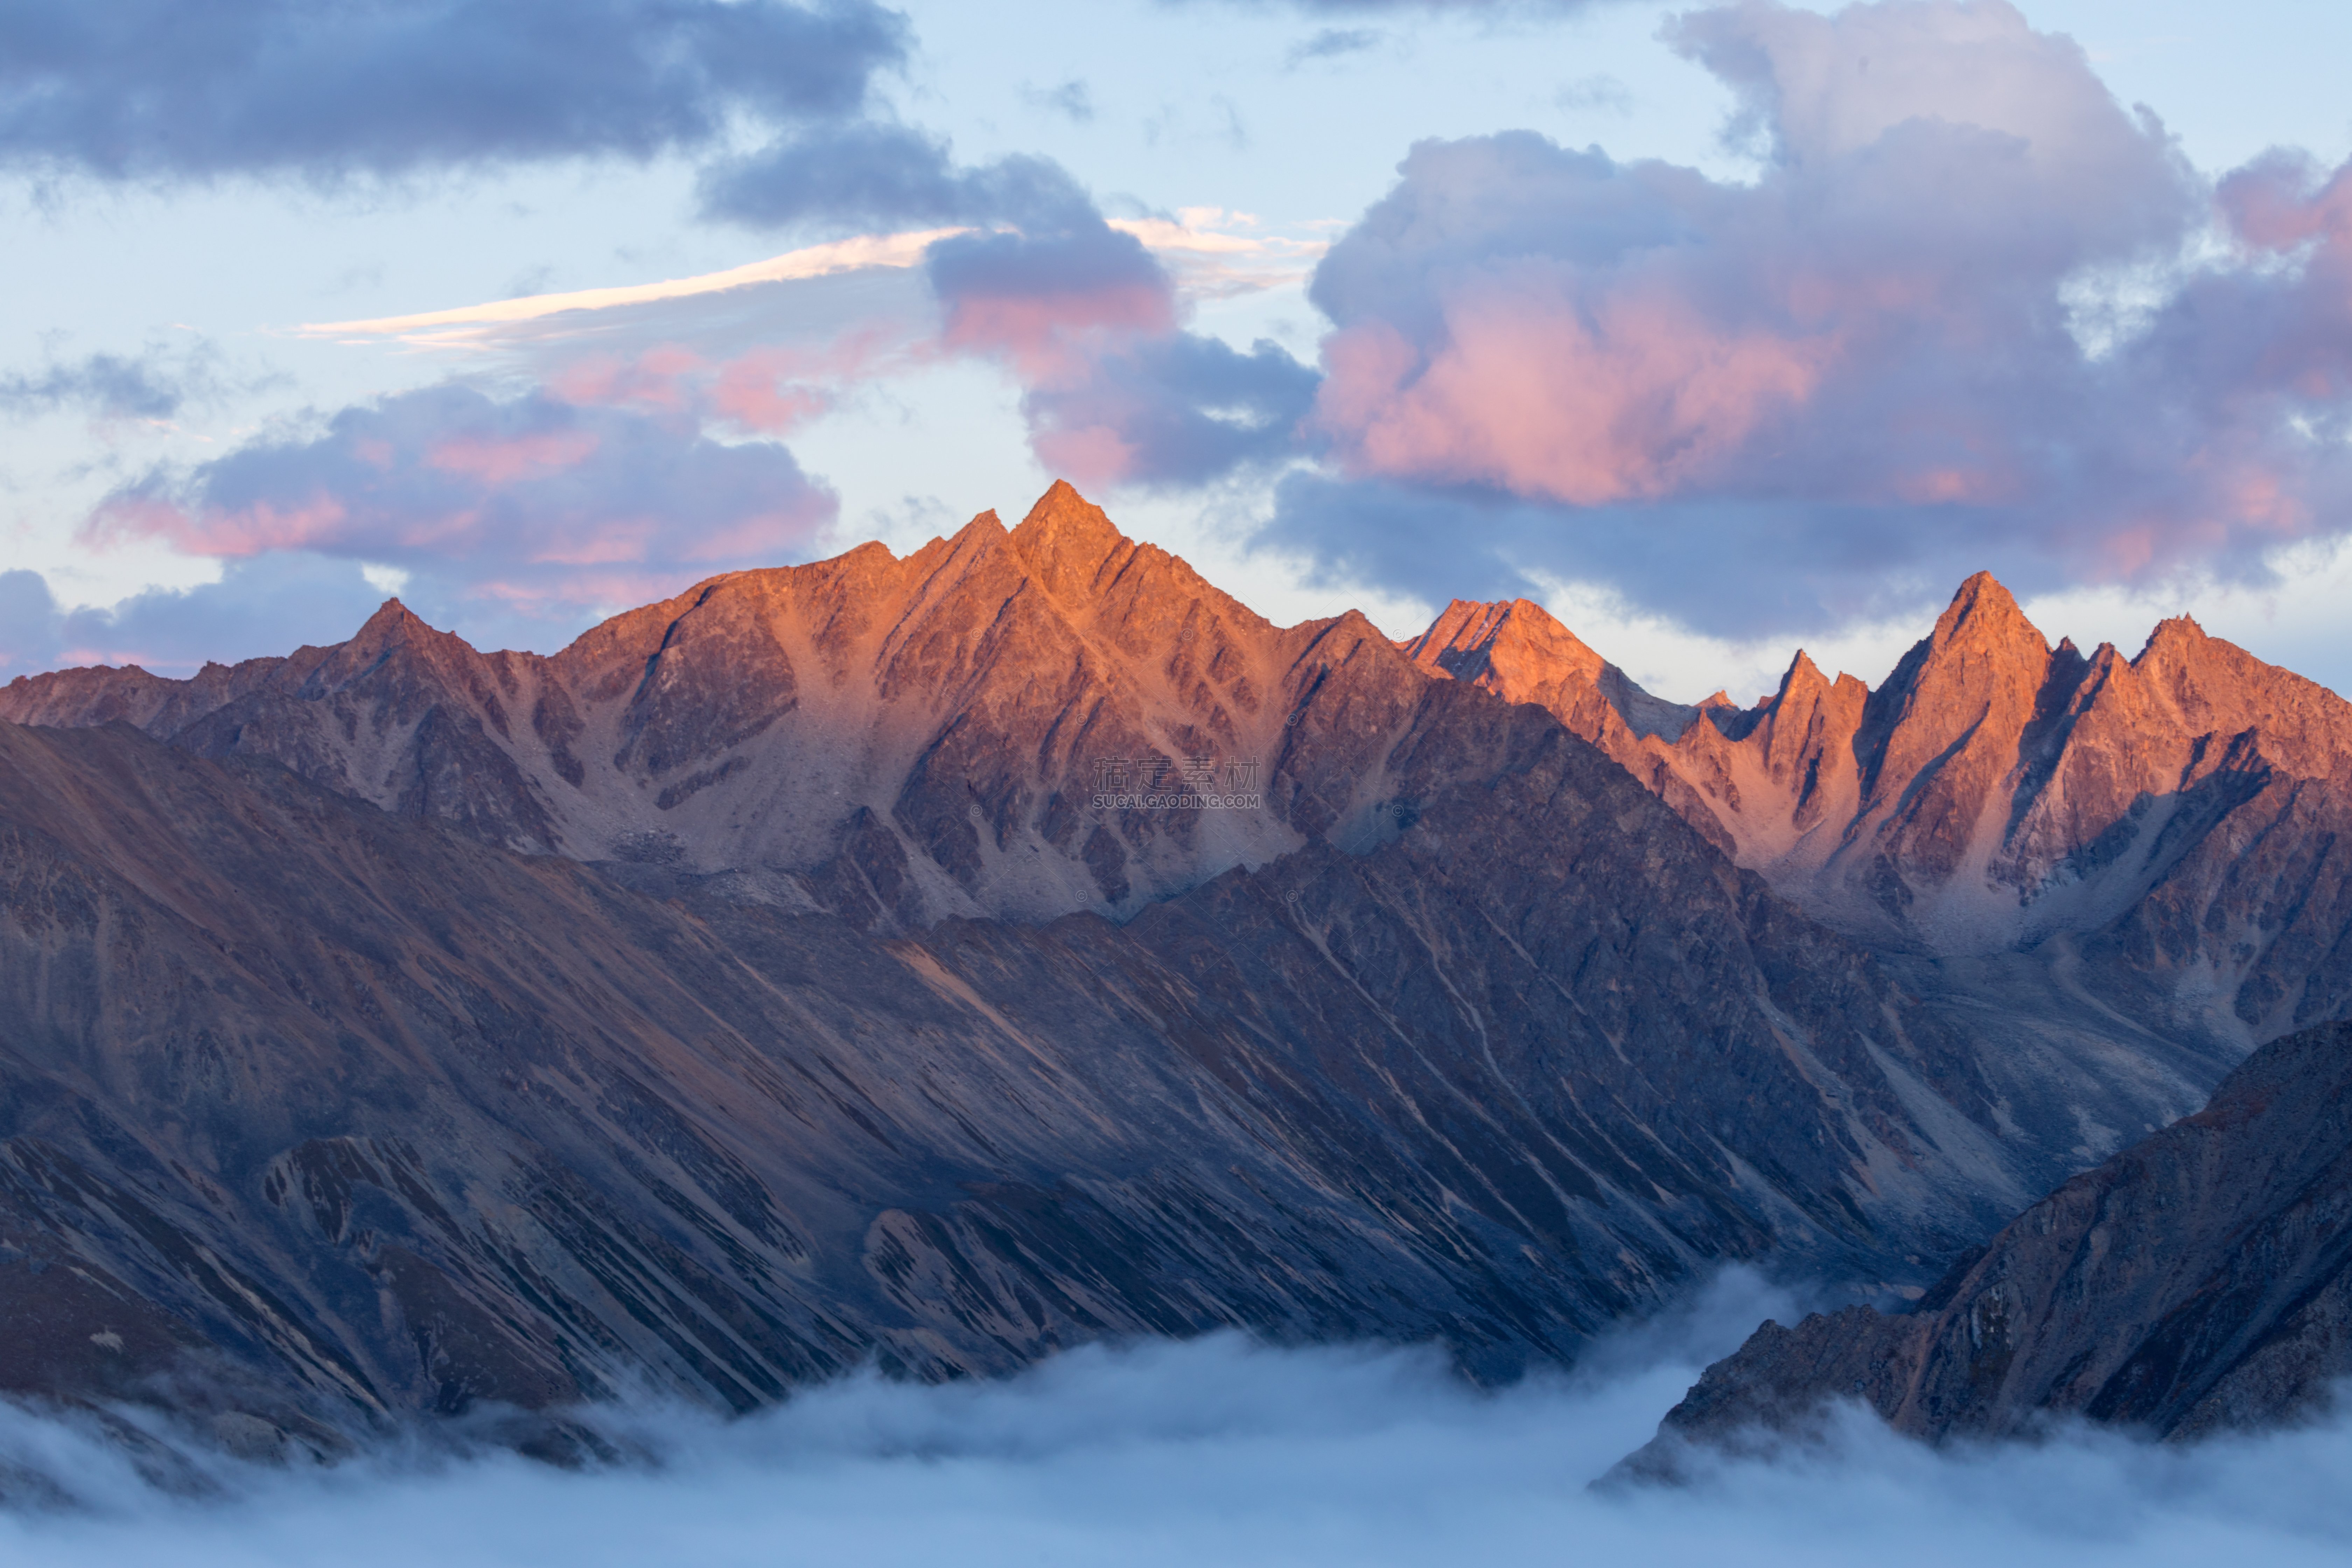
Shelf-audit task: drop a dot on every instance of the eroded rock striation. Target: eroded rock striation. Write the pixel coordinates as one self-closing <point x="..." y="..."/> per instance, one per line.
<point x="2172" y="827"/>
<point x="381" y="1119"/>
<point x="2199" y="1281"/>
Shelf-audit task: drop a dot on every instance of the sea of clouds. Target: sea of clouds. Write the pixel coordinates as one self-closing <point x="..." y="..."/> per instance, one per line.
<point x="1216" y="1452"/>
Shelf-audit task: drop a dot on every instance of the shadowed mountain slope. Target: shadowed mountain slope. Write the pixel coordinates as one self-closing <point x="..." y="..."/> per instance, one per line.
<point x="2199" y="1281"/>
<point x="380" y="1119"/>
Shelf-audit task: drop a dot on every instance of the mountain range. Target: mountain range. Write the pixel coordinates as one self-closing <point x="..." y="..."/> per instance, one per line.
<point x="940" y="961"/>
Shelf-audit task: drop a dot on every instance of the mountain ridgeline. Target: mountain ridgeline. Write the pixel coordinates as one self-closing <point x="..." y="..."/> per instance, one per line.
<point x="938" y="961"/>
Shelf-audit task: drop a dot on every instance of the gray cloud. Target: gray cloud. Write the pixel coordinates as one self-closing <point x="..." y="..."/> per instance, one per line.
<point x="1441" y="7"/>
<point x="271" y="605"/>
<point x="876" y="173"/>
<point x="1331" y="42"/>
<point x="135" y="90"/>
<point x="1179" y="409"/>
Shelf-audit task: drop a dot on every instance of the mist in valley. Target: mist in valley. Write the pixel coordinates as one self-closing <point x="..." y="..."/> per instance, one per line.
<point x="1215" y="1451"/>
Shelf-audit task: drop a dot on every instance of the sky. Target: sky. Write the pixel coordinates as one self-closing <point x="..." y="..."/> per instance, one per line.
<point x="1216" y="1451"/>
<point x="1720" y="329"/>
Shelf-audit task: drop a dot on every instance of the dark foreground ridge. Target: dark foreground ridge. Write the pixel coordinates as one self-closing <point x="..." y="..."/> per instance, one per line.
<point x="2199" y="1281"/>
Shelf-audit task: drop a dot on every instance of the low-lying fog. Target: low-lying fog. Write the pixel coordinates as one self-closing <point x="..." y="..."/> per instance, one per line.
<point x="1219" y="1452"/>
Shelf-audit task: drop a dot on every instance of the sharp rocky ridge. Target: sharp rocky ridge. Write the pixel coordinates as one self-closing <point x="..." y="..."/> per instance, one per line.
<point x="776" y="978"/>
<point x="2199" y="1282"/>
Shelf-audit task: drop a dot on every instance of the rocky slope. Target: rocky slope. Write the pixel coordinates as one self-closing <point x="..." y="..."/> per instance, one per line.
<point x="956" y="712"/>
<point x="2168" y="831"/>
<point x="2201" y="1281"/>
<point x="2166" y="834"/>
<point x="313" y="1114"/>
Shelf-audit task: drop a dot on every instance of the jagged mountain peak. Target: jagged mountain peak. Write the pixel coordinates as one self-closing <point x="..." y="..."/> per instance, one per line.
<point x="2174" y="631"/>
<point x="1802" y="677"/>
<point x="1519" y="641"/>
<point x="1521" y="651"/>
<point x="1066" y="532"/>
<point x="393" y="622"/>
<point x="1982" y="611"/>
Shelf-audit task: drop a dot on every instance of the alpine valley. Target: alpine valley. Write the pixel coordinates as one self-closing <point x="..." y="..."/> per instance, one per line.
<point x="937" y="962"/>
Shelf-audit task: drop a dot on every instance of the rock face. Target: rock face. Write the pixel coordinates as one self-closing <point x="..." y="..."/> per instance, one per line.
<point x="2176" y="822"/>
<point x="2198" y="1281"/>
<point x="941" y="723"/>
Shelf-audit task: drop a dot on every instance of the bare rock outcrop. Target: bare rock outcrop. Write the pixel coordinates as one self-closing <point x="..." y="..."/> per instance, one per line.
<point x="2199" y="1281"/>
<point x="2175" y="822"/>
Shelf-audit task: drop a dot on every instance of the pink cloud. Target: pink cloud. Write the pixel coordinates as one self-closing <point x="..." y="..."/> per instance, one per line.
<point x="1090" y="454"/>
<point x="233" y="532"/>
<point x="1628" y="398"/>
<point x="503" y="461"/>
<point x="1919" y="340"/>
<point x="771" y="390"/>
<point x="756" y="393"/>
<point x="532" y="500"/>
<point x="660" y="377"/>
<point x="2273" y="205"/>
<point x="1053" y="335"/>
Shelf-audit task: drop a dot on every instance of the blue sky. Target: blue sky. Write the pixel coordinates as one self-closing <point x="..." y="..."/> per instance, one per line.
<point x="1682" y="320"/>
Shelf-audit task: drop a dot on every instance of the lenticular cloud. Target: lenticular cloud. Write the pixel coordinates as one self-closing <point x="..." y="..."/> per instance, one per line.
<point x="1217" y="1451"/>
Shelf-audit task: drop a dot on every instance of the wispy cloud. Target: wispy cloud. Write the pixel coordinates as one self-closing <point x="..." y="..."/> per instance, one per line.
<point x="152" y="384"/>
<point x="1331" y="44"/>
<point x="468" y="325"/>
<point x="1217" y="253"/>
<point x="1070" y="100"/>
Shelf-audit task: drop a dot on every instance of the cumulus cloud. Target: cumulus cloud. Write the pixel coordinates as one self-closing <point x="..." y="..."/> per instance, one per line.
<point x="532" y="502"/>
<point x="1219" y="1451"/>
<point x="1833" y="390"/>
<point x="145" y="89"/>
<point x="1115" y="389"/>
